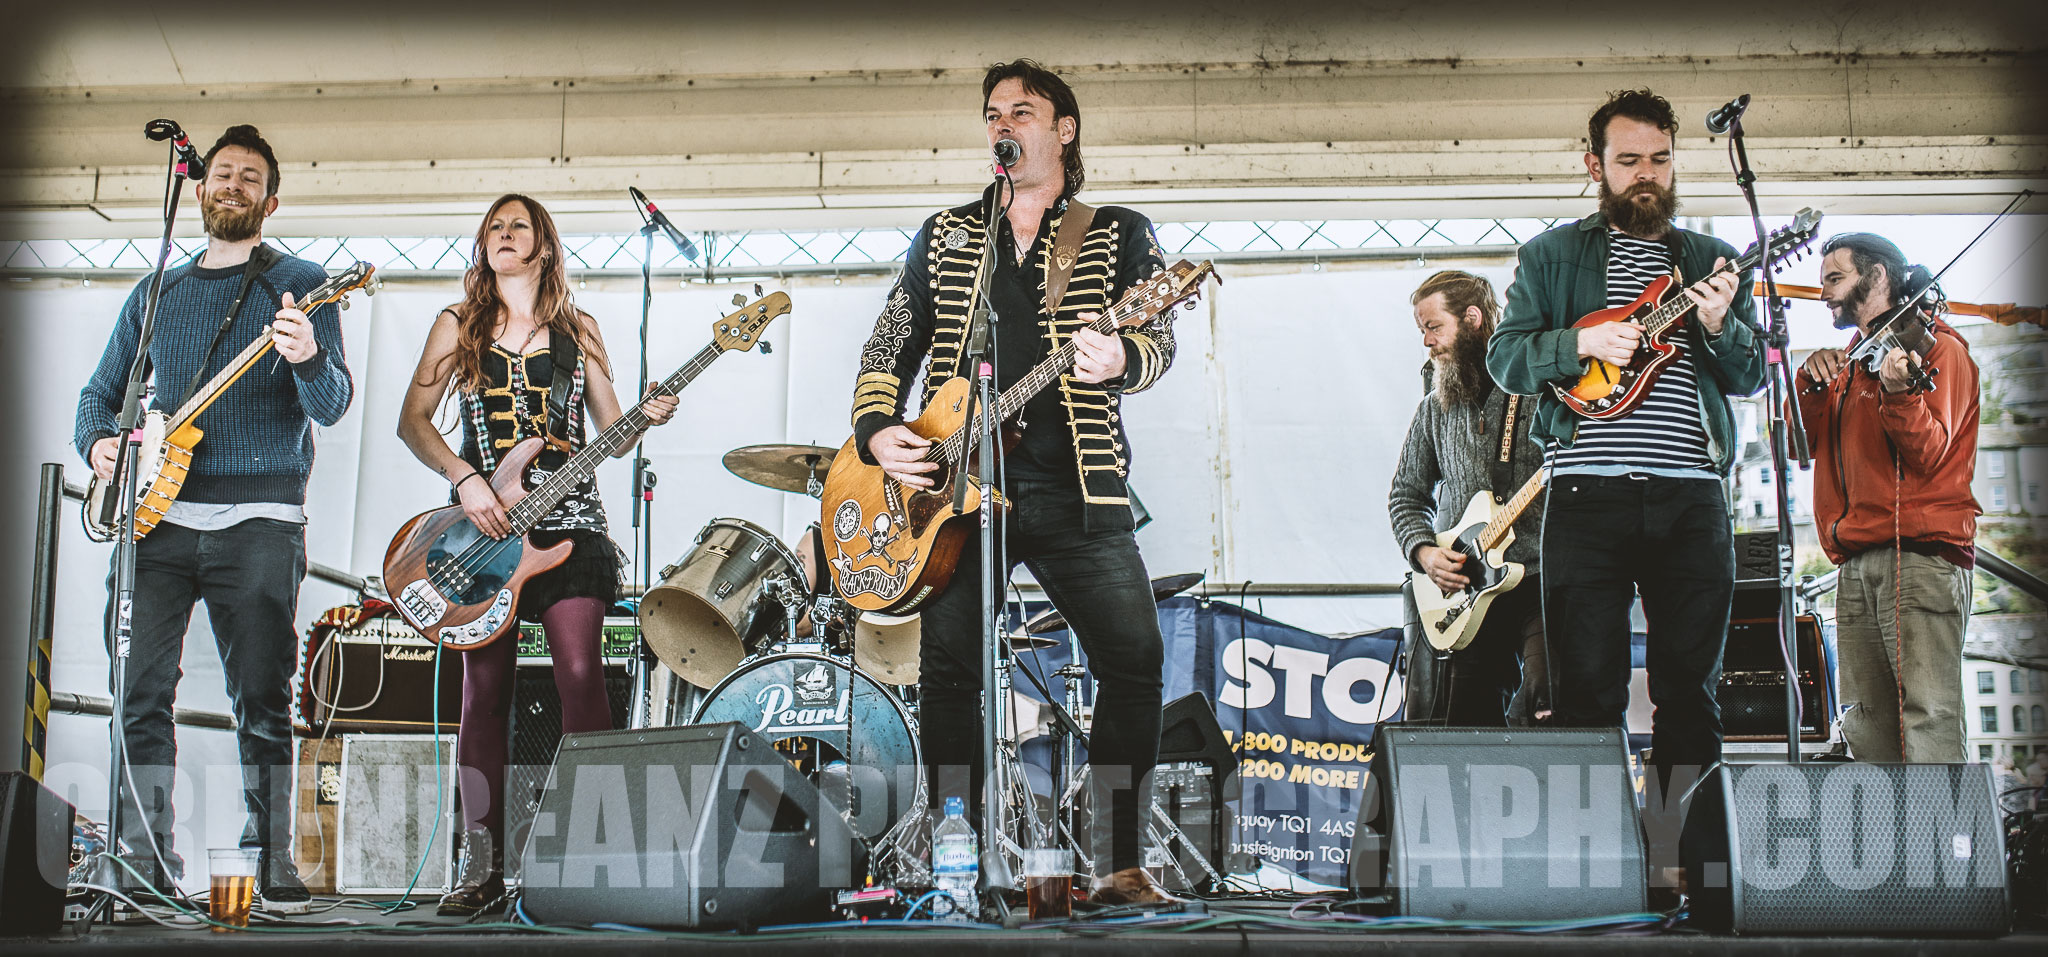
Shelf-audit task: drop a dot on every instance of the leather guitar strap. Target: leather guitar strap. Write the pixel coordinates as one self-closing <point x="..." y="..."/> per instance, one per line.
<point x="564" y="353"/>
<point x="260" y="259"/>
<point x="1066" y="250"/>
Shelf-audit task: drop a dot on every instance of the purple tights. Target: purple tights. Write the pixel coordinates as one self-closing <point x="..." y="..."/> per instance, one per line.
<point x="574" y="628"/>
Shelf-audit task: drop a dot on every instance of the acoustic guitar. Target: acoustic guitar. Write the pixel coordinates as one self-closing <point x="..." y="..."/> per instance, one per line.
<point x="892" y="548"/>
<point x="1607" y="391"/>
<point x="461" y="587"/>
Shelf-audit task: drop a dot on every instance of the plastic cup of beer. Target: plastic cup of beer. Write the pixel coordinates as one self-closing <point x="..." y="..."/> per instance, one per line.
<point x="231" y="886"/>
<point x="1049" y="882"/>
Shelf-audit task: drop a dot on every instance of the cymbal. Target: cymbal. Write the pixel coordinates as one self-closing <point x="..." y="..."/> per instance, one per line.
<point x="785" y="468"/>
<point x="1028" y="642"/>
<point x="1163" y="587"/>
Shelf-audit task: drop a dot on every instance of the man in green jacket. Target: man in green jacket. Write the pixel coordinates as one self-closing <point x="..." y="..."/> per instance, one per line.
<point x="1636" y="502"/>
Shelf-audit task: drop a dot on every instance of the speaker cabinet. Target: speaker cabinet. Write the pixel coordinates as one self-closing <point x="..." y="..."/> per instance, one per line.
<point x="696" y="826"/>
<point x="396" y="809"/>
<point x="536" y="731"/>
<point x="1500" y="824"/>
<point x="35" y="856"/>
<point x="1847" y="848"/>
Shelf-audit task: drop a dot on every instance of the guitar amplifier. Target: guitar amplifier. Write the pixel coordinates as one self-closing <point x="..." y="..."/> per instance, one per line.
<point x="1752" y="688"/>
<point x="375" y="677"/>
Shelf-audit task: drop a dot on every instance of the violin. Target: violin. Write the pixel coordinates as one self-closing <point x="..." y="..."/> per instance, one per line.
<point x="1912" y="329"/>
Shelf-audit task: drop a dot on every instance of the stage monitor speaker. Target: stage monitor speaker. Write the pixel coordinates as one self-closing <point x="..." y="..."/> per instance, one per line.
<point x="696" y="826"/>
<point x="1194" y="782"/>
<point x="35" y="856"/>
<point x="1500" y="824"/>
<point x="396" y="810"/>
<point x="1847" y="848"/>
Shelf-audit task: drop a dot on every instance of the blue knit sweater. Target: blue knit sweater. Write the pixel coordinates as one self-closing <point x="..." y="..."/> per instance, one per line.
<point x="258" y="445"/>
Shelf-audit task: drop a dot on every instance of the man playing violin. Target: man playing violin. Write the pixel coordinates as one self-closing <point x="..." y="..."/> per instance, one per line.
<point x="1892" y="503"/>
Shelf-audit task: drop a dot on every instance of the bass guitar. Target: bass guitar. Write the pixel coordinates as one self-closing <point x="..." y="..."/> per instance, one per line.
<point x="1607" y="391"/>
<point x="1451" y="619"/>
<point x="168" y="440"/>
<point x="460" y="587"/>
<point x="892" y="547"/>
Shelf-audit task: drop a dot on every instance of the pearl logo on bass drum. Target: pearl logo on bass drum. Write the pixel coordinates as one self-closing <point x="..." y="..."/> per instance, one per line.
<point x="811" y="700"/>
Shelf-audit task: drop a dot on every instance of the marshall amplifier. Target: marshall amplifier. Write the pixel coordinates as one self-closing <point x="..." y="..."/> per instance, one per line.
<point x="376" y="675"/>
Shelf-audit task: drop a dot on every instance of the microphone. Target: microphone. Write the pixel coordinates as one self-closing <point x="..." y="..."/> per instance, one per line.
<point x="682" y="242"/>
<point x="1720" y="120"/>
<point x="1008" y="152"/>
<point x="189" y="161"/>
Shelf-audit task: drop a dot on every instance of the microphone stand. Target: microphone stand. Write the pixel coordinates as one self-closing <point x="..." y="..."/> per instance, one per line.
<point x="643" y="493"/>
<point x="120" y="621"/>
<point x="1787" y="438"/>
<point x="980" y="352"/>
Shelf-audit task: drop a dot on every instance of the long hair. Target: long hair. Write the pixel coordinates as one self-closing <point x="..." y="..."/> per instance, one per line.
<point x="481" y="308"/>
<point x="1039" y="81"/>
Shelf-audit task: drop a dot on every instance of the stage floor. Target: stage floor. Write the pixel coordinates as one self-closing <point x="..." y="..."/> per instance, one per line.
<point x="1234" y="927"/>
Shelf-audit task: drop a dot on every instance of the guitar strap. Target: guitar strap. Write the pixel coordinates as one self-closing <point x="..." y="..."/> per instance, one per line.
<point x="260" y="259"/>
<point x="1501" y="469"/>
<point x="1066" y="250"/>
<point x="564" y="353"/>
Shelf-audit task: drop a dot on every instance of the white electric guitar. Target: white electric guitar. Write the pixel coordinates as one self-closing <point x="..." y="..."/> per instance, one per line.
<point x="1483" y="534"/>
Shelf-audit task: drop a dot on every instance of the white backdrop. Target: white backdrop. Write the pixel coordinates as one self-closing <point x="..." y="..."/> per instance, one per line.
<point x="1264" y="454"/>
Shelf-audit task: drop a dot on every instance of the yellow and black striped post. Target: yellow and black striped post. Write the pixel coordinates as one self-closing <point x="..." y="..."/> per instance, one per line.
<point x="42" y="622"/>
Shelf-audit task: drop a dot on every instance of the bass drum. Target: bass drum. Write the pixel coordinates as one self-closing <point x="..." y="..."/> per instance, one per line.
<point x="709" y="612"/>
<point x="844" y="729"/>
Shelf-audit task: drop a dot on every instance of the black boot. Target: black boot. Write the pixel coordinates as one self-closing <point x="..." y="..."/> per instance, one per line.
<point x="480" y="884"/>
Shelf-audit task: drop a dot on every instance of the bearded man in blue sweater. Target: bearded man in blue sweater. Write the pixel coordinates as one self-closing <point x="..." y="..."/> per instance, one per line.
<point x="235" y="538"/>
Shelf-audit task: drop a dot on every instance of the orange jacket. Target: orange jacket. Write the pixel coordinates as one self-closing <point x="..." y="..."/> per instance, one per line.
<point x="1858" y="432"/>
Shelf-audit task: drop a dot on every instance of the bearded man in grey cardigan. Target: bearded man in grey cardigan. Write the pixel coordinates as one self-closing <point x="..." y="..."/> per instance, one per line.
<point x="1467" y="437"/>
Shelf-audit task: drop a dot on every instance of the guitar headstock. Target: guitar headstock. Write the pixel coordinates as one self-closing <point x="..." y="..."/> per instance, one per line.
<point x="741" y="329"/>
<point x="337" y="288"/>
<point x="1177" y="285"/>
<point x="1789" y="241"/>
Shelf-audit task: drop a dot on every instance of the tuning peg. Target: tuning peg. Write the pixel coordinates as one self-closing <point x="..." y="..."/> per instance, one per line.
<point x="765" y="350"/>
<point x="738" y="300"/>
<point x="344" y="305"/>
<point x="757" y="290"/>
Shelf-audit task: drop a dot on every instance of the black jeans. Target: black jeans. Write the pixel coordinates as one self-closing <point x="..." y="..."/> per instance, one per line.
<point x="248" y="575"/>
<point x="1604" y="540"/>
<point x="1097" y="580"/>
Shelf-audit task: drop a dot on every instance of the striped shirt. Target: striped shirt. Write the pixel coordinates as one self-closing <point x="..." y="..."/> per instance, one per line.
<point x="1665" y="434"/>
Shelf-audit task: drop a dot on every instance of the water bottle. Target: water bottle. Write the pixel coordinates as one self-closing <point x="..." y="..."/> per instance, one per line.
<point x="956" y="861"/>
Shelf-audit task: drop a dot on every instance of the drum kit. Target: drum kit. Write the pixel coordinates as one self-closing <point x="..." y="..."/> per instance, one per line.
<point x="750" y="629"/>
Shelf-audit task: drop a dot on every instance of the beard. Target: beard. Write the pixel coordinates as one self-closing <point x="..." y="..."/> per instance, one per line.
<point x="228" y="224"/>
<point x="1637" y="216"/>
<point x="1461" y="376"/>
<point x="1852" y="305"/>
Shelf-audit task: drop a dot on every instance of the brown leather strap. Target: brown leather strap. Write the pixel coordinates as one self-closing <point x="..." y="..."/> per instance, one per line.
<point x="1066" y="250"/>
